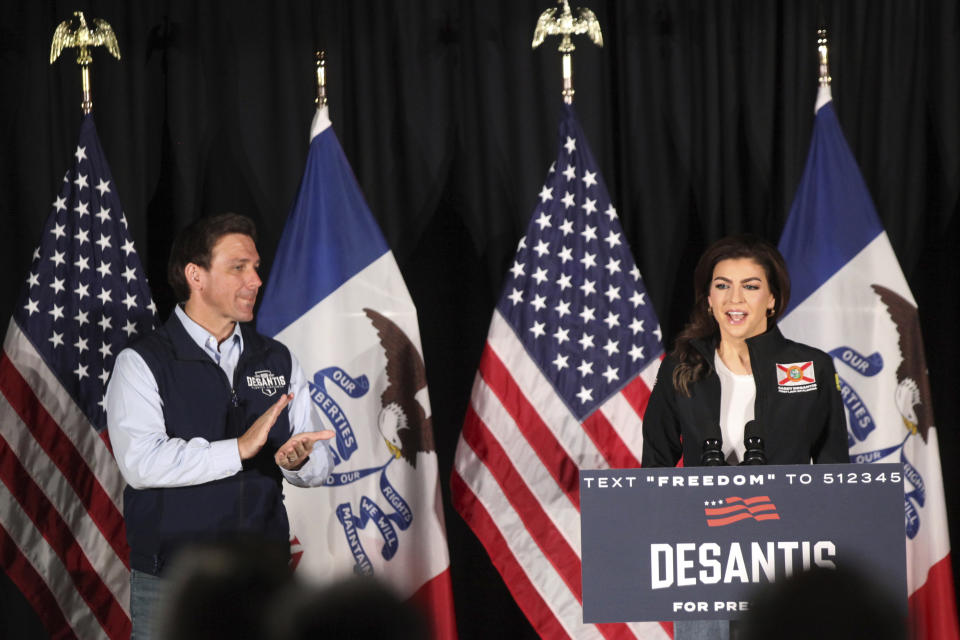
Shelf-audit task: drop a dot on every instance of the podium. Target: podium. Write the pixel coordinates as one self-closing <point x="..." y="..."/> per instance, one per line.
<point x="697" y="543"/>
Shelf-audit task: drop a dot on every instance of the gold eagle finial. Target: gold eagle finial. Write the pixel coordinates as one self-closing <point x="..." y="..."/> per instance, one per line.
<point x="83" y="37"/>
<point x="561" y="21"/>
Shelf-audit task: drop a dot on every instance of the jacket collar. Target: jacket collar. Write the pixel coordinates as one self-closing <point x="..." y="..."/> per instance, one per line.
<point x="186" y="348"/>
<point x="764" y="343"/>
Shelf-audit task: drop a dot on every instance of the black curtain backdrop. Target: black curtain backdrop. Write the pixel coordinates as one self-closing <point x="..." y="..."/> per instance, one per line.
<point x="699" y="114"/>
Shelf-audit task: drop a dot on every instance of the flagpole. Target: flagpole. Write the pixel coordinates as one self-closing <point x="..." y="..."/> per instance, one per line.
<point x="321" y="79"/>
<point x="561" y="21"/>
<point x="84" y="38"/>
<point x="823" y="49"/>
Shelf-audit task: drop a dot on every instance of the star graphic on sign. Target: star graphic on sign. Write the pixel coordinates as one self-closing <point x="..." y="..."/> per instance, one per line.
<point x="636" y="352"/>
<point x="564" y="282"/>
<point x="611" y="347"/>
<point x="81" y="371"/>
<point x="544" y="220"/>
<point x="570" y="172"/>
<point x="613" y="266"/>
<point x="538" y="329"/>
<point x="57" y="285"/>
<point x="81" y="317"/>
<point x="567" y="200"/>
<point x="56" y="339"/>
<point x="81" y="344"/>
<point x="610" y="374"/>
<point x="546" y="193"/>
<point x="587" y="314"/>
<point x="565" y="255"/>
<point x="127" y="247"/>
<point x="586" y="341"/>
<point x="539" y="302"/>
<point x="589" y="233"/>
<point x="33" y="280"/>
<point x="588" y="260"/>
<point x="516" y="296"/>
<point x="81" y="153"/>
<point x="517" y="269"/>
<point x="637" y="298"/>
<point x="104" y="295"/>
<point x="567" y="227"/>
<point x="571" y="145"/>
<point x="129" y="301"/>
<point x="82" y="209"/>
<point x="60" y="204"/>
<point x="588" y="287"/>
<point x="540" y="275"/>
<point x="585" y="395"/>
<point x="82" y="263"/>
<point x="542" y="248"/>
<point x="56" y="312"/>
<point x="636" y="325"/>
<point x="612" y="320"/>
<point x="103" y="214"/>
<point x="104" y="269"/>
<point x="613" y="293"/>
<point x="81" y="181"/>
<point x="562" y="308"/>
<point x="105" y="324"/>
<point x="589" y="206"/>
<point x="560" y="362"/>
<point x="585" y="368"/>
<point x="103" y="187"/>
<point x="32" y="306"/>
<point x="129" y="328"/>
<point x="589" y="178"/>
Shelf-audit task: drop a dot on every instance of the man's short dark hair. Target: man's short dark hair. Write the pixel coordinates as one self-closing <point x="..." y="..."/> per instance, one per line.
<point x="195" y="244"/>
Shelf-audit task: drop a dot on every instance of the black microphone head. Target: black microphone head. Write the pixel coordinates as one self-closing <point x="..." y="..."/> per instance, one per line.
<point x="712" y="455"/>
<point x="753" y="442"/>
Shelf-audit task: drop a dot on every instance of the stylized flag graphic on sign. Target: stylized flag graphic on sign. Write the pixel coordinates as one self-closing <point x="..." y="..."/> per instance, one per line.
<point x="726" y="511"/>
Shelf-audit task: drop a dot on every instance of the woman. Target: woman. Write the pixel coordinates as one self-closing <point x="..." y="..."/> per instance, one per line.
<point x="731" y="365"/>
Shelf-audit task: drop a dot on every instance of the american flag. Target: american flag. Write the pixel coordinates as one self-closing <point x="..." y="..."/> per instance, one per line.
<point x="570" y="359"/>
<point x="62" y="538"/>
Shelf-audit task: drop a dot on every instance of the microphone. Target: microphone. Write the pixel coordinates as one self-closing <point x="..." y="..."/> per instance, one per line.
<point x="753" y="441"/>
<point x="712" y="455"/>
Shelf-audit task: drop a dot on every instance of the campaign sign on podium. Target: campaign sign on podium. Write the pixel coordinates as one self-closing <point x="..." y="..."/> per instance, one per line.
<point x="697" y="543"/>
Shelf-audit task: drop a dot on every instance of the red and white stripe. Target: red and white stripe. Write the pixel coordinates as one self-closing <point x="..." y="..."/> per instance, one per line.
<point x="62" y="538"/>
<point x="516" y="481"/>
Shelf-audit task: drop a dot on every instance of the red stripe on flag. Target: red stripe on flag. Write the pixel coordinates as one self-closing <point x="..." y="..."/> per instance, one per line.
<point x="524" y="593"/>
<point x="435" y="599"/>
<point x="563" y="558"/>
<point x="65" y="456"/>
<point x="537" y="433"/>
<point x="722" y="522"/>
<point x="637" y="394"/>
<point x="34" y="588"/>
<point x="56" y="532"/>
<point x="608" y="441"/>
<point x="933" y="607"/>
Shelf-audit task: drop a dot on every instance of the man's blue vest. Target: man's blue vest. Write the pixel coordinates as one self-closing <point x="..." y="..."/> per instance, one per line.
<point x="200" y="402"/>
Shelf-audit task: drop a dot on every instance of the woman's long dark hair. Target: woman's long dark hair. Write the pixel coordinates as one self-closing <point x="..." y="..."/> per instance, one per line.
<point x="702" y="325"/>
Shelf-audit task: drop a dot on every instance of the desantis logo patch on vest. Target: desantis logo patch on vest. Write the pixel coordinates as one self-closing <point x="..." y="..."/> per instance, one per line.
<point x="796" y="377"/>
<point x="267" y="382"/>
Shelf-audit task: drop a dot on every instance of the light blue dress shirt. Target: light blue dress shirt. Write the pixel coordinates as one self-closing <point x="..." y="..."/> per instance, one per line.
<point x="149" y="458"/>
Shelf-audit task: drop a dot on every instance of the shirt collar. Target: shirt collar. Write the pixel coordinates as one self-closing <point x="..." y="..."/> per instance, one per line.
<point x="204" y="339"/>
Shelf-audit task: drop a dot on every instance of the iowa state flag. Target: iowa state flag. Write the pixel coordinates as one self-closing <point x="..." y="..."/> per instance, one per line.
<point x="850" y="298"/>
<point x="336" y="298"/>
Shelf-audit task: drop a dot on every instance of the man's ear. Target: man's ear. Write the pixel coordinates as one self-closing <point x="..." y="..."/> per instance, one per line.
<point x="193" y="273"/>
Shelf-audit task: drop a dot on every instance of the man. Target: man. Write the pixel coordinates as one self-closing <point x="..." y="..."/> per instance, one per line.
<point x="206" y="416"/>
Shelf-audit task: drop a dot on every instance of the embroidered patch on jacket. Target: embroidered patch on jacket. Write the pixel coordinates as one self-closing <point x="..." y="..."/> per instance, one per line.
<point x="796" y="377"/>
<point x="266" y="382"/>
